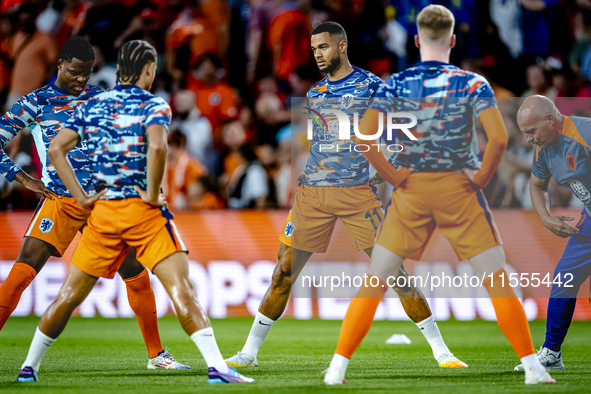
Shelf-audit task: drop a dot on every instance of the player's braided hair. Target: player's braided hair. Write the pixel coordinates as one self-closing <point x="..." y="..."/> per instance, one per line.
<point x="132" y="58"/>
<point x="77" y="47"/>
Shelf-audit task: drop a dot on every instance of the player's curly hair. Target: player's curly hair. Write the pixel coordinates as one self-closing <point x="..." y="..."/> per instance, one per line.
<point x="77" y="47"/>
<point x="332" y="28"/>
<point x="132" y="58"/>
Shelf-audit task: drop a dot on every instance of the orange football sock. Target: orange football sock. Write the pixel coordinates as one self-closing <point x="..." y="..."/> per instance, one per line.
<point x="20" y="277"/>
<point x="142" y="301"/>
<point x="510" y="314"/>
<point x="359" y="319"/>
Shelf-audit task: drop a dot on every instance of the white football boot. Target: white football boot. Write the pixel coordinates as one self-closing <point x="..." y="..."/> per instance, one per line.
<point x="242" y="360"/>
<point x="548" y="358"/>
<point x="334" y="375"/>
<point x="165" y="360"/>
<point x="450" y="361"/>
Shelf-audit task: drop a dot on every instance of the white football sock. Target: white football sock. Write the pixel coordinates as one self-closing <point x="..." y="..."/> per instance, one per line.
<point x="259" y="331"/>
<point x="339" y="362"/>
<point x="205" y="341"/>
<point x="532" y="362"/>
<point x="40" y="344"/>
<point x="431" y="332"/>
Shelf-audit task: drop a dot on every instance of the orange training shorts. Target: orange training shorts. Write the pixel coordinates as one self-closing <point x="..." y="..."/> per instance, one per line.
<point x="445" y="200"/>
<point x="116" y="225"/>
<point x="56" y="222"/>
<point x="316" y="209"/>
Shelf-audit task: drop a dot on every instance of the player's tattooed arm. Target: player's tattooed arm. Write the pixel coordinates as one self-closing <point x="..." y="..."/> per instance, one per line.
<point x="538" y="189"/>
<point x="65" y="141"/>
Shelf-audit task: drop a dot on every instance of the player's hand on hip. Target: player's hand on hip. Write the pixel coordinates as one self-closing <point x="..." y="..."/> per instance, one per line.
<point x="557" y="225"/>
<point x="35" y="185"/>
<point x="88" y="202"/>
<point x="159" y="201"/>
<point x="470" y="173"/>
<point x="376" y="180"/>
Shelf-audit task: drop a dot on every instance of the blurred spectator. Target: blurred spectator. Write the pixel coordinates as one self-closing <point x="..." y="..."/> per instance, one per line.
<point x="203" y="196"/>
<point x="248" y="186"/>
<point x="103" y="74"/>
<point x="5" y="62"/>
<point x="73" y="20"/>
<point x="234" y="136"/>
<point x="467" y="41"/>
<point x="215" y="98"/>
<point x="190" y="37"/>
<point x="104" y="22"/>
<point x="537" y="83"/>
<point x="537" y="19"/>
<point x="373" y="36"/>
<point x="33" y="55"/>
<point x="514" y="172"/>
<point x="568" y="84"/>
<point x="153" y="18"/>
<point x="282" y="177"/>
<point x="289" y="39"/>
<point x="181" y="171"/>
<point x="269" y="110"/>
<point x="259" y="57"/>
<point x="506" y="16"/>
<point x="579" y="51"/>
<point x="216" y="14"/>
<point x="205" y="44"/>
<point x="488" y="70"/>
<point x="195" y="127"/>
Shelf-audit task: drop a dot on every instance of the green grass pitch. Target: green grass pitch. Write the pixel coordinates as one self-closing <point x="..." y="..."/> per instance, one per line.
<point x="102" y="355"/>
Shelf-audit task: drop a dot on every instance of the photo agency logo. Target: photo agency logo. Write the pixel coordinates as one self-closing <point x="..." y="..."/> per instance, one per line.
<point x="334" y="128"/>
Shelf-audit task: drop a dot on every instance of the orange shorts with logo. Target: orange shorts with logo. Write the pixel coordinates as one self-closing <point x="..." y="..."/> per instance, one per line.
<point x="116" y="225"/>
<point x="445" y="200"/>
<point x="316" y="209"/>
<point x="56" y="222"/>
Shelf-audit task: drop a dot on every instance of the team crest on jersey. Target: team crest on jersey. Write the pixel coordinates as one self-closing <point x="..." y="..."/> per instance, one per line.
<point x="46" y="225"/>
<point x="289" y="227"/>
<point x="570" y="162"/>
<point x="578" y="189"/>
<point x="347" y="101"/>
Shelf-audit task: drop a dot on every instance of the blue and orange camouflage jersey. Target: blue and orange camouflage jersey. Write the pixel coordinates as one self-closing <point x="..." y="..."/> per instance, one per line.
<point x="334" y="161"/>
<point x="44" y="111"/>
<point x="113" y="126"/>
<point x="569" y="162"/>
<point x="446" y="101"/>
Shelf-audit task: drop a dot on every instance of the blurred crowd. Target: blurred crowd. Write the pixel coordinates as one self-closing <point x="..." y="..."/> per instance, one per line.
<point x="229" y="69"/>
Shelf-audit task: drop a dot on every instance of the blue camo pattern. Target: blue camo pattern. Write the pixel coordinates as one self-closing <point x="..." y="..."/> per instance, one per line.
<point x="113" y="126"/>
<point x="345" y="167"/>
<point x="44" y="111"/>
<point x="446" y="101"/>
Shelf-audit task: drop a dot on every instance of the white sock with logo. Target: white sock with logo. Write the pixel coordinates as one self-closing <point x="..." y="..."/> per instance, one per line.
<point x="431" y="332"/>
<point x="259" y="331"/>
<point x="532" y="363"/>
<point x="40" y="344"/>
<point x="339" y="362"/>
<point x="205" y="341"/>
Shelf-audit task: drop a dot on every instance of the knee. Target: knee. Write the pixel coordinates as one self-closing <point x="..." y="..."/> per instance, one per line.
<point x="35" y="257"/>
